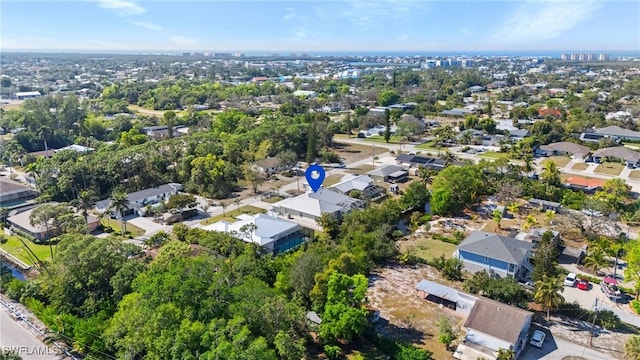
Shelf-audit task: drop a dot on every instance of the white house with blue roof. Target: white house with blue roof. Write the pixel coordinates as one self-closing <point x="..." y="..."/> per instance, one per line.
<point x="496" y="254"/>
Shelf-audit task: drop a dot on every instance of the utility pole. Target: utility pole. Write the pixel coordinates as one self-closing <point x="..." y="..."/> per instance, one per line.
<point x="593" y="324"/>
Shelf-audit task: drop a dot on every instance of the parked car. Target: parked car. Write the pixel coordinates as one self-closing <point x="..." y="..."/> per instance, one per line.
<point x="570" y="280"/>
<point x="583" y="284"/>
<point x="538" y="338"/>
<point x="527" y="285"/>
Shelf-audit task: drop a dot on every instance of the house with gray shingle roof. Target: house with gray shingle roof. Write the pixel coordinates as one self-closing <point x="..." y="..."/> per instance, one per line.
<point x="498" y="255"/>
<point x="313" y="204"/>
<point x="630" y="157"/>
<point x="492" y="326"/>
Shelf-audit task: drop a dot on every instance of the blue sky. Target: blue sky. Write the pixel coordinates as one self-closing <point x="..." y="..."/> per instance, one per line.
<point x="320" y="25"/>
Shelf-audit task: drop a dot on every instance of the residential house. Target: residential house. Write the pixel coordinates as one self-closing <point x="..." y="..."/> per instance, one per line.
<point x="21" y="222"/>
<point x="360" y="183"/>
<point x="586" y="185"/>
<point x="271" y="165"/>
<point x="14" y="193"/>
<point x="518" y="134"/>
<point x="617" y="153"/>
<point x="535" y="235"/>
<point x="273" y="234"/>
<point x="451" y="298"/>
<point x="544" y="112"/>
<point x="476" y="89"/>
<point x="156" y="132"/>
<point x="459" y="112"/>
<point x="305" y="93"/>
<point x="574" y="150"/>
<point x="389" y="173"/>
<point x="23" y="95"/>
<point x="139" y="199"/>
<point x="544" y="205"/>
<point x="496" y="254"/>
<point x="311" y="206"/>
<point x="619" y="133"/>
<point x="416" y="161"/>
<point x="491" y="326"/>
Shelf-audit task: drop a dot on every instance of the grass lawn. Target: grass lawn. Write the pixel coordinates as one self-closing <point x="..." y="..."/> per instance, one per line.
<point x="634" y="174"/>
<point x="431" y="145"/>
<point x="380" y="139"/>
<point x="561" y="161"/>
<point x="610" y="168"/>
<point x="15" y="247"/>
<point x="232" y="211"/>
<point x="428" y="248"/>
<point x="332" y="180"/>
<point x="580" y="166"/>
<point x="7" y="107"/>
<point x="361" y="169"/>
<point x="493" y="155"/>
<point x="273" y="199"/>
<point x="115" y="225"/>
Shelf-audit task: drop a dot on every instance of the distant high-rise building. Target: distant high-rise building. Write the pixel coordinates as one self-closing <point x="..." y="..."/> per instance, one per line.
<point x="573" y="57"/>
<point x="565" y="56"/>
<point x="603" y="57"/>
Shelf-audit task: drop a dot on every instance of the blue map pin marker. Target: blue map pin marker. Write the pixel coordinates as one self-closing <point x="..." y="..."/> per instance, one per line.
<point x="315" y="177"/>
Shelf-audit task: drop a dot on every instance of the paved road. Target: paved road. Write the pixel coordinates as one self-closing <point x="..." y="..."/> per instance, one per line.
<point x="15" y="336"/>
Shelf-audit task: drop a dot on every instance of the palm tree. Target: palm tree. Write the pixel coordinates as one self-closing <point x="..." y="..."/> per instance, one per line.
<point x="43" y="214"/>
<point x="549" y="214"/>
<point x="528" y="167"/>
<point x="426" y="175"/>
<point x="530" y="220"/>
<point x="513" y="208"/>
<point x="448" y="157"/>
<point x="84" y="202"/>
<point x="224" y="206"/>
<point x="547" y="293"/>
<point x="595" y="259"/>
<point x="497" y="217"/>
<point x="120" y="204"/>
<point x="466" y="137"/>
<point x="632" y="348"/>
<point x="550" y="173"/>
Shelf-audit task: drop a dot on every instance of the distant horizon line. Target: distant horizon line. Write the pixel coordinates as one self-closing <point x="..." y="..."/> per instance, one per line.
<point x="532" y="52"/>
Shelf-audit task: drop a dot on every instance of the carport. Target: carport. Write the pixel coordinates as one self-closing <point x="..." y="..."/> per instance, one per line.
<point x="439" y="294"/>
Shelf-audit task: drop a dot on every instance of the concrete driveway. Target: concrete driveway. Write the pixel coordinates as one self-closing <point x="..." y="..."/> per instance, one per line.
<point x="587" y="299"/>
<point x="555" y="348"/>
<point x="149" y="226"/>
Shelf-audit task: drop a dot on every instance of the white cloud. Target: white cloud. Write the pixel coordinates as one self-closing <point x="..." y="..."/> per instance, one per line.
<point x="369" y="14"/>
<point x="147" y="25"/>
<point x="539" y="21"/>
<point x="122" y="8"/>
<point x="183" y="41"/>
<point x="289" y="14"/>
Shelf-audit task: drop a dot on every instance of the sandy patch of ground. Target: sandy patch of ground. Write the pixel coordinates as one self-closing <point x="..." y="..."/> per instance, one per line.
<point x="406" y="316"/>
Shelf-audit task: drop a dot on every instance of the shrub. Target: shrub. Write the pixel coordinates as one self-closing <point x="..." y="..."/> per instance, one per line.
<point x="3" y="240"/>
<point x="333" y="352"/>
<point x="445" y="239"/>
<point x="635" y="304"/>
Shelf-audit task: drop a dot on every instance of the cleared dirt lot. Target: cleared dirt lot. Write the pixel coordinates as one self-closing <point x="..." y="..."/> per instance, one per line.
<point x="405" y="316"/>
